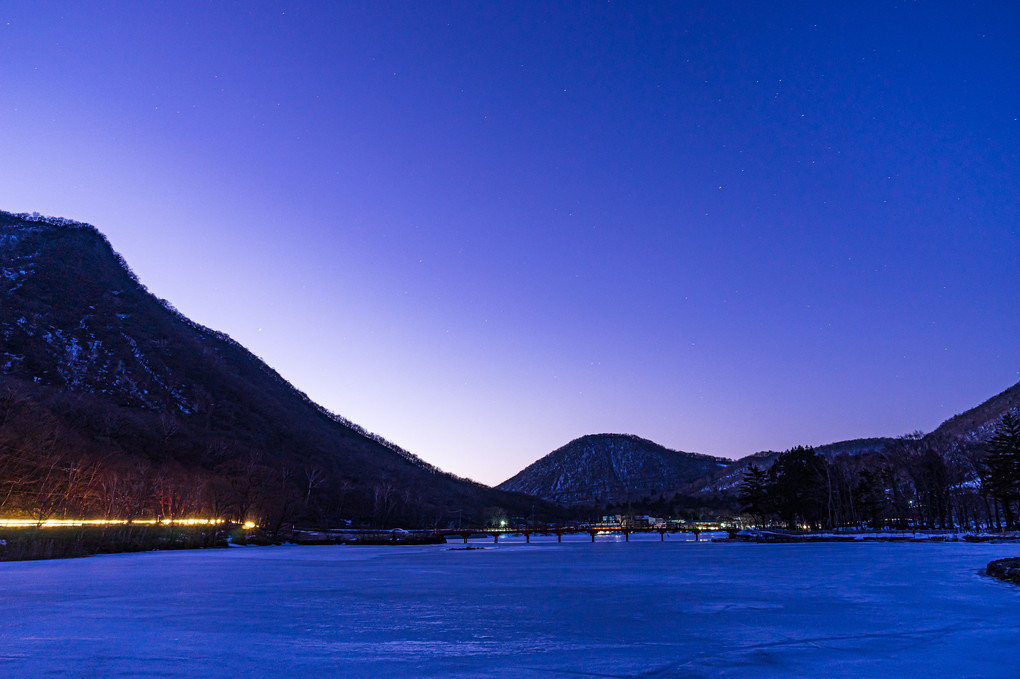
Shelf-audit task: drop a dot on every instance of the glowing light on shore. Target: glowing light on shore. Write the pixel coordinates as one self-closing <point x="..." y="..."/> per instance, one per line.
<point x="63" y="523"/>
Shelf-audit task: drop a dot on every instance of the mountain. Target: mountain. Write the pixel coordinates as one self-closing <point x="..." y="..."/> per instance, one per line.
<point x="974" y="427"/>
<point x="726" y="481"/>
<point x="613" y="468"/>
<point x="141" y="410"/>
<point x="960" y="437"/>
<point x="610" y="468"/>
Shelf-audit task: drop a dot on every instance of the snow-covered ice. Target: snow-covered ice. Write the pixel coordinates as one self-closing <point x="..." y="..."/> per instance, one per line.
<point x="644" y="608"/>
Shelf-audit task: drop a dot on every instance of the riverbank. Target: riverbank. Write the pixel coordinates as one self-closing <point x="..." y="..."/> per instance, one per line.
<point x="68" y="542"/>
<point x="38" y="543"/>
<point x="32" y="544"/>
<point x="884" y="536"/>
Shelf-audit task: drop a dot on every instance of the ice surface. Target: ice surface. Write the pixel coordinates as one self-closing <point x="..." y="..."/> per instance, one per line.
<point x="644" y="608"/>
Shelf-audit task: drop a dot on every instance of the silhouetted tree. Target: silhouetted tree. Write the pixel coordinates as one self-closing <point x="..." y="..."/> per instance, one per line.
<point x="753" y="495"/>
<point x="1001" y="469"/>
<point x="869" y="496"/>
<point x="796" y="487"/>
<point x="930" y="475"/>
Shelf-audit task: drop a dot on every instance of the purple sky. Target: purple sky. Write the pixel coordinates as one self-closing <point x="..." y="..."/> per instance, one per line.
<point x="484" y="229"/>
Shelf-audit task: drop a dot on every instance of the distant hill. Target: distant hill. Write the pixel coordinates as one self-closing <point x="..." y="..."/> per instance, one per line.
<point x="726" y="481"/>
<point x="610" y="468"/>
<point x="145" y="411"/>
<point x="959" y="437"/>
<point x="975" y="426"/>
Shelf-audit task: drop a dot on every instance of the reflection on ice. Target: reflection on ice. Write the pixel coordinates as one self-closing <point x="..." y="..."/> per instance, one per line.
<point x="673" y="608"/>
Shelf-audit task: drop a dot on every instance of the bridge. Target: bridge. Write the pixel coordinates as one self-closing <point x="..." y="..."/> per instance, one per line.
<point x="560" y="531"/>
<point x="398" y="535"/>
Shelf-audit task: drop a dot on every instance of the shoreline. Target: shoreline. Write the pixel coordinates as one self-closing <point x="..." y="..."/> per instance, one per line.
<point x="63" y="543"/>
<point x="766" y="536"/>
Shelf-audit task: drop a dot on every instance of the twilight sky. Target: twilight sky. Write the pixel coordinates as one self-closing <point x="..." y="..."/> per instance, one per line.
<point x="484" y="229"/>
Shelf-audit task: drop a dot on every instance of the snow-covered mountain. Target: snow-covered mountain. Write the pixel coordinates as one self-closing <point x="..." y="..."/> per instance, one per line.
<point x="610" y="468"/>
<point x="97" y="373"/>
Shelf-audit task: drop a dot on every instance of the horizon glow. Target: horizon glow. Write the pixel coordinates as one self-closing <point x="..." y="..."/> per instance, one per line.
<point x="482" y="231"/>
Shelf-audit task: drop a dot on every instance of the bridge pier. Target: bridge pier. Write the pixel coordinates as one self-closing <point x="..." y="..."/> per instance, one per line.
<point x="662" y="535"/>
<point x="592" y="534"/>
<point x="626" y="535"/>
<point x="559" y="536"/>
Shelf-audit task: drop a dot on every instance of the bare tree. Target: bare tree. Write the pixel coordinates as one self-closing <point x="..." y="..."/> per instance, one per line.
<point x="315" y="477"/>
<point x="168" y="427"/>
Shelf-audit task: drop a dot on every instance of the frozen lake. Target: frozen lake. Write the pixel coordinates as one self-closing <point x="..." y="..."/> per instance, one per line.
<point x="610" y="609"/>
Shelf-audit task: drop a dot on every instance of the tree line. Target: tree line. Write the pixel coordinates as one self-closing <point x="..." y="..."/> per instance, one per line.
<point x="916" y="483"/>
<point x="77" y="457"/>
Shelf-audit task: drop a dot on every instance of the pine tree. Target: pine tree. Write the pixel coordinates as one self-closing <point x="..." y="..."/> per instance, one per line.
<point x="753" y="493"/>
<point x="869" y="496"/>
<point x="1001" y="469"/>
<point x="795" y="487"/>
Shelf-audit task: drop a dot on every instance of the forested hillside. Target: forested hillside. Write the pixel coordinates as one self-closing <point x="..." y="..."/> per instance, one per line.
<point x="114" y="404"/>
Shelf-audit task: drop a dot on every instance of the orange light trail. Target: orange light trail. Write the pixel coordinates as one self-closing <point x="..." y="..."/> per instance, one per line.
<point x="60" y="523"/>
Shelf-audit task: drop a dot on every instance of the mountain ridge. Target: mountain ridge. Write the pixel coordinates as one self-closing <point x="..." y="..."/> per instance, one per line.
<point x="92" y="353"/>
<point x="976" y="424"/>
<point x="549" y="477"/>
<point x="219" y="335"/>
<point x="85" y="347"/>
